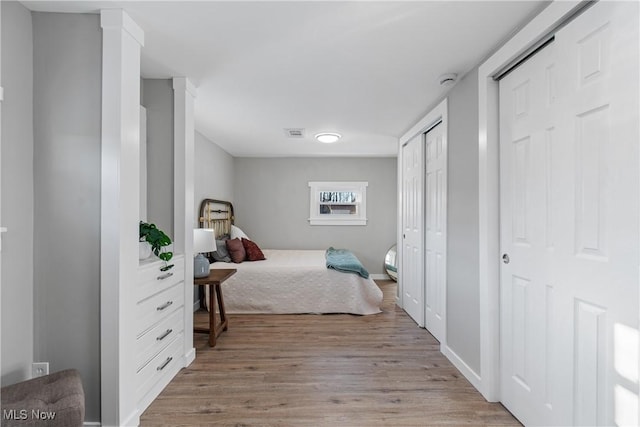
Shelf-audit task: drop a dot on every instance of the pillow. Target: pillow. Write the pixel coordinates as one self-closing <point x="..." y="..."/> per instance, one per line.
<point x="253" y="251"/>
<point x="236" y="233"/>
<point x="221" y="253"/>
<point x="236" y="250"/>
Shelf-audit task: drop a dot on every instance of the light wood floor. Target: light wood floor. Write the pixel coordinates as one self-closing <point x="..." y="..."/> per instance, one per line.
<point x="322" y="370"/>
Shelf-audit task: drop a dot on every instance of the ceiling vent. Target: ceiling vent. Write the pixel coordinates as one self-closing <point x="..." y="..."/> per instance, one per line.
<point x="294" y="132"/>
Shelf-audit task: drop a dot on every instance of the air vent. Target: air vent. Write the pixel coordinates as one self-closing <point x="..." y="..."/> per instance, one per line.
<point x="294" y="132"/>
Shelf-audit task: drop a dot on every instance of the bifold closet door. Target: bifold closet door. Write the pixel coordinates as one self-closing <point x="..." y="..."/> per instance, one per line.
<point x="413" y="229"/>
<point x="436" y="231"/>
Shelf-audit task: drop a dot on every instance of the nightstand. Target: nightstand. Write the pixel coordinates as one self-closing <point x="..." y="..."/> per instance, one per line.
<point x="213" y="281"/>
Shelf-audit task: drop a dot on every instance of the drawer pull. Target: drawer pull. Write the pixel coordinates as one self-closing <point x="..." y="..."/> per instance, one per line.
<point x="164" y="364"/>
<point x="164" y="335"/>
<point x="164" y="276"/>
<point x="165" y="305"/>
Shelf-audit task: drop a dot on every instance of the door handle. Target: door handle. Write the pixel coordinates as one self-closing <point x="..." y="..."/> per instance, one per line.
<point x="505" y="258"/>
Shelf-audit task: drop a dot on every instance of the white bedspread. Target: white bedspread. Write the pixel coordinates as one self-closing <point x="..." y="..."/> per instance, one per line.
<point x="297" y="281"/>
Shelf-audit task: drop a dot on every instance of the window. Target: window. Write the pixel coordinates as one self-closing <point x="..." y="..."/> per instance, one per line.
<point x="338" y="203"/>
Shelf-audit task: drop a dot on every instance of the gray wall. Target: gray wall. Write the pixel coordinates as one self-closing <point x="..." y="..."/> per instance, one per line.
<point x="67" y="127"/>
<point x="213" y="177"/>
<point x="158" y="100"/>
<point x="463" y="309"/>
<point x="272" y="204"/>
<point x="213" y="173"/>
<point x="17" y="193"/>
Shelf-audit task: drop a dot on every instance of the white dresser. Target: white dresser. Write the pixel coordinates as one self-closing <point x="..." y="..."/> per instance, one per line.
<point x="160" y="331"/>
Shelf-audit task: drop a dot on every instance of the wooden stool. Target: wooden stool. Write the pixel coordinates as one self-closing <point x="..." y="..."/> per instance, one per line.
<point x="214" y="281"/>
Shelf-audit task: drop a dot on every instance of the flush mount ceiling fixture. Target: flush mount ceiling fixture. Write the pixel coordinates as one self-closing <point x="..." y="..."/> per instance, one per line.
<point x="328" y="137"/>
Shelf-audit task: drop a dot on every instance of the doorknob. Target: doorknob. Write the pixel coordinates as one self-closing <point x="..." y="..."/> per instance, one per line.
<point x="505" y="258"/>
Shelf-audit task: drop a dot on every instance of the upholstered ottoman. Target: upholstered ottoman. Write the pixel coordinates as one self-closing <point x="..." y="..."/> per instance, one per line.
<point x="55" y="400"/>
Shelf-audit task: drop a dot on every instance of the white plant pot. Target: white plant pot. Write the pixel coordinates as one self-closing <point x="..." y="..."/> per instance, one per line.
<point x="144" y="250"/>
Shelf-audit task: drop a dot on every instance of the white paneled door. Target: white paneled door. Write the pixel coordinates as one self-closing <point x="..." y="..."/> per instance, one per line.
<point x="412" y="273"/>
<point x="435" y="231"/>
<point x="569" y="225"/>
<point x="528" y="128"/>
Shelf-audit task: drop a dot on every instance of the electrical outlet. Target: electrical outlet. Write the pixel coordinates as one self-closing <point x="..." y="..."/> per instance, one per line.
<point x="39" y="369"/>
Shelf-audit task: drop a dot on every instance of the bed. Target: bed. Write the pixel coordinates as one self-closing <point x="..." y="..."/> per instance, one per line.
<point x="287" y="281"/>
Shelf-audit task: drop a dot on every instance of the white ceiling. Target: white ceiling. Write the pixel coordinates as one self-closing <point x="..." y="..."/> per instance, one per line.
<point x="366" y="69"/>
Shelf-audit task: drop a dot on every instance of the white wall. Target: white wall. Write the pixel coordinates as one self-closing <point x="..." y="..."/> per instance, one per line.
<point x="158" y="100"/>
<point x="272" y="204"/>
<point x="17" y="193"/>
<point x="67" y="127"/>
<point x="463" y="310"/>
<point x="213" y="173"/>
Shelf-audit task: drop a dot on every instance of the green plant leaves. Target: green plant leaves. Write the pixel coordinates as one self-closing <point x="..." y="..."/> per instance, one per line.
<point x="157" y="239"/>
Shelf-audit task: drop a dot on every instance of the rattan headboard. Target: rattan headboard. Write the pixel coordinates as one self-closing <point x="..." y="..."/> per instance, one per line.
<point x="218" y="215"/>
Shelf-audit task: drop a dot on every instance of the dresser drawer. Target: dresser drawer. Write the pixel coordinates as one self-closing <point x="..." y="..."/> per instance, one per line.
<point x="154" y="309"/>
<point x="158" y="337"/>
<point x="151" y="279"/>
<point x="163" y="364"/>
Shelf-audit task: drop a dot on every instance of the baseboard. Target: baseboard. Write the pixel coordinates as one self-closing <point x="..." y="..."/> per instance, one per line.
<point x="380" y="276"/>
<point x="133" y="420"/>
<point x="461" y="365"/>
<point x="189" y="357"/>
<point x="196" y="306"/>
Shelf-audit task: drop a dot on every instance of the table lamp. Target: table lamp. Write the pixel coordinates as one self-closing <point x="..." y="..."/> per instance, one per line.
<point x="204" y="240"/>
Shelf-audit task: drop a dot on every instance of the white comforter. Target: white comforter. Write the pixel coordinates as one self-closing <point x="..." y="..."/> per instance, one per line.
<point x="297" y="281"/>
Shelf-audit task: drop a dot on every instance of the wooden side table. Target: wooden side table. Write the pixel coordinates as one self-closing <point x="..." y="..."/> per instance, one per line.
<point x="215" y="279"/>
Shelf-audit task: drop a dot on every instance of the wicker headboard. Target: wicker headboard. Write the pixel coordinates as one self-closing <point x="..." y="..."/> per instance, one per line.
<point x="218" y="215"/>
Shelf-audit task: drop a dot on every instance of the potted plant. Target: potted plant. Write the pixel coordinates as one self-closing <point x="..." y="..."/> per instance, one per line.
<point x="158" y="241"/>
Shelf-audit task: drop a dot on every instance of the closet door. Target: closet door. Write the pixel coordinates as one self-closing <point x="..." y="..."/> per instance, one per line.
<point x="436" y="231"/>
<point x="569" y="225"/>
<point x="527" y="179"/>
<point x="413" y="229"/>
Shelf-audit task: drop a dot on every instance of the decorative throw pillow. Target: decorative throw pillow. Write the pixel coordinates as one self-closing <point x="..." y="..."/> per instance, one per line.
<point x="237" y="233"/>
<point x="221" y="253"/>
<point x="236" y="250"/>
<point x="253" y="251"/>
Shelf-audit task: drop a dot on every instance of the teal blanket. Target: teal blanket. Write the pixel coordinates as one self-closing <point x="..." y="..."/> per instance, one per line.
<point x="345" y="261"/>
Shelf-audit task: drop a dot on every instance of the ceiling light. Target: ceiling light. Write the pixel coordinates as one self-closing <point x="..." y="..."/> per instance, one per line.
<point x="328" y="137"/>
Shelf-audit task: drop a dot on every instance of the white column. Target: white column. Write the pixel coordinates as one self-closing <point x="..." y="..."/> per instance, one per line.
<point x="122" y="40"/>
<point x="184" y="216"/>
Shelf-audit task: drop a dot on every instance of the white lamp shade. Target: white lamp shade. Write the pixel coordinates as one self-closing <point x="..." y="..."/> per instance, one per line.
<point x="204" y="240"/>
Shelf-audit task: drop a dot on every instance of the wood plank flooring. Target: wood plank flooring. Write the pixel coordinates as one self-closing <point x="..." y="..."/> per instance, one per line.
<point x="322" y="370"/>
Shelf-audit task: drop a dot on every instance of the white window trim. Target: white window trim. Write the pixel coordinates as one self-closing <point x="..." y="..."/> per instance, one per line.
<point x="359" y="187"/>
